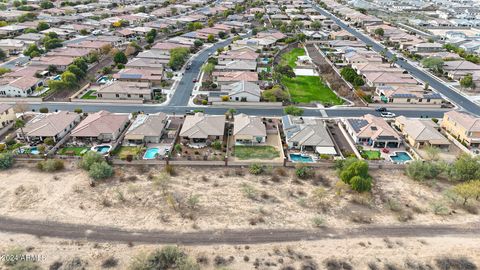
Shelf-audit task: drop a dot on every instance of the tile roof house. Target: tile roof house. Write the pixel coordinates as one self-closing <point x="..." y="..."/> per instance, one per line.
<point x="165" y="47"/>
<point x="382" y="78"/>
<point x="152" y="76"/>
<point x="19" y="87"/>
<point x="457" y="69"/>
<point x="242" y="91"/>
<point x="146" y="63"/>
<point x="12" y="46"/>
<point x="420" y="133"/>
<point x="407" y="94"/>
<point x="49" y="125"/>
<point x="249" y="130"/>
<point x="147" y="128"/>
<point x="237" y="65"/>
<point x="61" y="62"/>
<point x="102" y="126"/>
<point x="307" y="135"/>
<point x="372" y="130"/>
<point x="228" y="77"/>
<point x="125" y="90"/>
<point x="201" y="128"/>
<point x="463" y="126"/>
<point x="238" y="55"/>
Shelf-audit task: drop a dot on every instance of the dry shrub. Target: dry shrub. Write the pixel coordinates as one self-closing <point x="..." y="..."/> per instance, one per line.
<point x="462" y="263"/>
<point x="280" y="172"/>
<point x="361" y="218"/>
<point x="337" y="264"/>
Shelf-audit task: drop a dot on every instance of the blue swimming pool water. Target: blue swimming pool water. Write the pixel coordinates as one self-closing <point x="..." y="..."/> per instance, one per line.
<point x="103" y="149"/>
<point x="34" y="151"/>
<point x="151" y="153"/>
<point x="401" y="157"/>
<point x="103" y="79"/>
<point x="300" y="158"/>
<point x="57" y="78"/>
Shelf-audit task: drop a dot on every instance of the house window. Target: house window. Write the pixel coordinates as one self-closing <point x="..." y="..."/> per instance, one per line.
<point x="99" y="95"/>
<point x="129" y="95"/>
<point x="140" y="95"/>
<point x="408" y="100"/>
<point x="117" y="95"/>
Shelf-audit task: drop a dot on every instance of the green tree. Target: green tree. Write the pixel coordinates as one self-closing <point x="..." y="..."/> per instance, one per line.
<point x="120" y="58"/>
<point x="356" y="168"/>
<point x="3" y="55"/>
<point x="420" y="170"/>
<point x="211" y="38"/>
<point x="467" y="190"/>
<point x="42" y="26"/>
<point x="467" y="81"/>
<point x="6" y="161"/>
<point x="222" y="35"/>
<point x="89" y="159"/>
<point x="70" y="79"/>
<point x="100" y="170"/>
<point x="433" y="63"/>
<point x="46" y="4"/>
<point x="20" y="124"/>
<point x="178" y="57"/>
<point x="275" y="94"/>
<point x="465" y="168"/>
<point x="361" y="184"/>
<point x="198" y="43"/>
<point x="379" y="32"/>
<point x="292" y="110"/>
<point x="76" y="70"/>
<point x="208" y="68"/>
<point x="285" y="70"/>
<point x="316" y="25"/>
<point x="33" y="51"/>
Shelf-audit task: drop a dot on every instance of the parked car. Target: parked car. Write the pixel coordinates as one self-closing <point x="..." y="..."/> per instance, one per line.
<point x="194" y="80"/>
<point x="189" y="66"/>
<point x="380" y="109"/>
<point x="387" y="115"/>
<point x="190" y="112"/>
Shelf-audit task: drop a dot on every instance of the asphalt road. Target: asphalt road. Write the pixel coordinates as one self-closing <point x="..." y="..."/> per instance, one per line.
<point x="233" y="237"/>
<point x="259" y="111"/>
<point x="440" y="87"/>
<point x="185" y="87"/>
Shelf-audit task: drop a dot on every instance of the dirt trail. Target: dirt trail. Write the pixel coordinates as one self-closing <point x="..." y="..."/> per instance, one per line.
<point x="111" y="234"/>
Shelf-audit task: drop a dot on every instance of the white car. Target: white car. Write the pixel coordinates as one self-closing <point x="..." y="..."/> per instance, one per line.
<point x="387" y="115"/>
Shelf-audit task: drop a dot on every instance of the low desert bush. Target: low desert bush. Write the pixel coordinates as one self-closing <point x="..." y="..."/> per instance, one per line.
<point x="446" y="263"/>
<point x="51" y="165"/>
<point x="256" y="169"/>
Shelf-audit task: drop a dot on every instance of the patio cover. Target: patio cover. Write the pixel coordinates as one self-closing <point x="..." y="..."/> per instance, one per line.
<point x="326" y="150"/>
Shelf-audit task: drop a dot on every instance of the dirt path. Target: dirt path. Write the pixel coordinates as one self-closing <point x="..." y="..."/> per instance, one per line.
<point x="110" y="234"/>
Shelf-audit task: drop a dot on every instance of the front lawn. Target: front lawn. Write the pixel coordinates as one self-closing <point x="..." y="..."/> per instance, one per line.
<point x="305" y="89"/>
<point x="256" y="152"/>
<point x="291" y="57"/>
<point x="72" y="151"/>
<point x="371" y="154"/>
<point x="89" y="95"/>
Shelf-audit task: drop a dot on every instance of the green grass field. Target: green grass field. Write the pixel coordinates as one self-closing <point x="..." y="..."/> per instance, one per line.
<point x="305" y="89"/>
<point x="76" y="151"/>
<point x="89" y="95"/>
<point x="291" y="57"/>
<point x="256" y="152"/>
<point x="371" y="154"/>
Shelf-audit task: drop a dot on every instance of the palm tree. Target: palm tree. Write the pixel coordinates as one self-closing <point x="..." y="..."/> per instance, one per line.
<point x="19" y="123"/>
<point x="231" y="112"/>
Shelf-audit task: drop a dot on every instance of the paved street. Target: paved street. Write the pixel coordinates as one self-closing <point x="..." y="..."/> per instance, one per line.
<point x="440" y="87"/>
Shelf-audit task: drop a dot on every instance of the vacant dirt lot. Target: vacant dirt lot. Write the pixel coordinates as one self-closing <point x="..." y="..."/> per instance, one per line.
<point x="384" y="253"/>
<point x="220" y="198"/>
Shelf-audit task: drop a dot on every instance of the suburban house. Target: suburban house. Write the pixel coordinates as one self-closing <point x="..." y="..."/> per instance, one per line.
<point x="229" y="77"/>
<point x="373" y="131"/>
<point x="125" y="90"/>
<point x="426" y="47"/>
<point x="457" y="69"/>
<point x="103" y="126"/>
<point x="463" y="126"/>
<point x="408" y="94"/>
<point x="249" y="130"/>
<point x="12" y="46"/>
<point x="237" y="65"/>
<point x="147" y="128"/>
<point x="381" y="78"/>
<point x="48" y="125"/>
<point x="151" y="76"/>
<point x="242" y="91"/>
<point x="202" y="128"/>
<point x="307" y="135"/>
<point x="420" y="133"/>
<point x="60" y="62"/>
<point x="19" y="87"/>
<point x="7" y="115"/>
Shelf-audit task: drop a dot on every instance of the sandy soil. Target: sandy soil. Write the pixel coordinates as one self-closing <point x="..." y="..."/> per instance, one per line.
<point x="134" y="200"/>
<point x="358" y="253"/>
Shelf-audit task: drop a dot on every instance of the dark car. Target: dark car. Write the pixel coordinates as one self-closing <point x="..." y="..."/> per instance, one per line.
<point x="381" y="109"/>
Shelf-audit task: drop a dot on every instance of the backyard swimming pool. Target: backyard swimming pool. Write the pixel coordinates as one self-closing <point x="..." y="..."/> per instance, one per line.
<point x="34" y="150"/>
<point x="103" y="80"/>
<point x="151" y="153"/>
<point x="301" y="158"/>
<point x="401" y="157"/>
<point x="102" y="149"/>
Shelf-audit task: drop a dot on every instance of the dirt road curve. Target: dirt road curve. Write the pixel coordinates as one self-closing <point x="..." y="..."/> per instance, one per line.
<point x="110" y="234"/>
